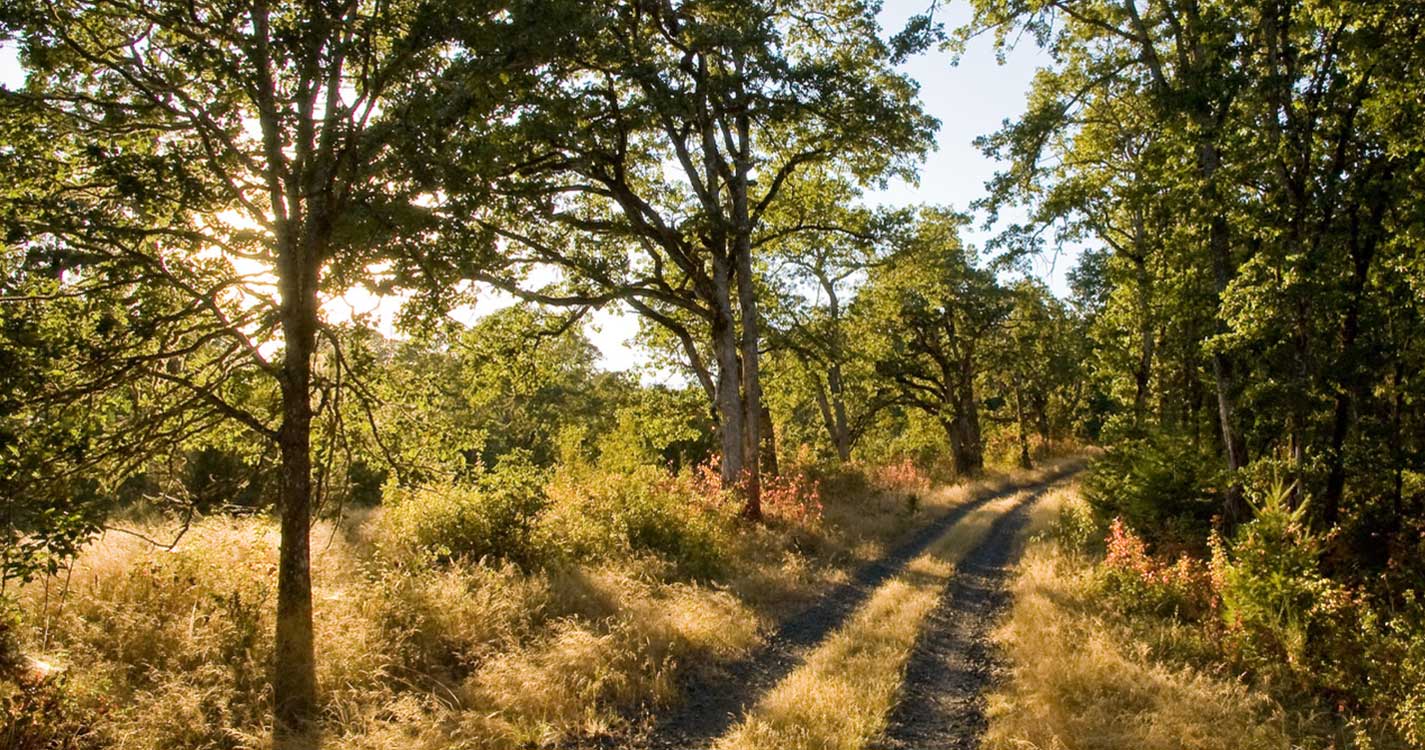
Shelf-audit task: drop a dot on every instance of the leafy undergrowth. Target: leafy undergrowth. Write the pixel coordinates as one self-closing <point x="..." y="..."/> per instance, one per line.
<point x="522" y="610"/>
<point x="1127" y="650"/>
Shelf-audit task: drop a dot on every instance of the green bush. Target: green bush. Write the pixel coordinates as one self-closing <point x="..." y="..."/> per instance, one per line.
<point x="1160" y="486"/>
<point x="1077" y="528"/>
<point x="1399" y="677"/>
<point x="1270" y="581"/>
<point x="597" y="514"/>
<point x="495" y="517"/>
<point x="1284" y="617"/>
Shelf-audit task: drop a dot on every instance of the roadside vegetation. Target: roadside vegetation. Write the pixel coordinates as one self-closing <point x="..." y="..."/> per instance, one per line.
<point x="1108" y="647"/>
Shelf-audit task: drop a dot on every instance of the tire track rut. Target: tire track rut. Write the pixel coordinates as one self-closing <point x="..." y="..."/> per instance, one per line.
<point x="942" y="702"/>
<point x="713" y="700"/>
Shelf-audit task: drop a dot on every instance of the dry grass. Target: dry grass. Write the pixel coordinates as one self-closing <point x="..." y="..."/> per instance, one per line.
<point x="1083" y="678"/>
<point x="172" y="649"/>
<point x="1046" y="511"/>
<point x="843" y="693"/>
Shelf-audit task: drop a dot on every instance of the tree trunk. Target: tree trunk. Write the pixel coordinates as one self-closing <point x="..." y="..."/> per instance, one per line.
<point x="1397" y="451"/>
<point x="1143" y="373"/>
<point x="1232" y="442"/>
<point x="974" y="463"/>
<point x="747" y="309"/>
<point x="1336" y="476"/>
<point x="832" y="419"/>
<point x="729" y="398"/>
<point x="1362" y="242"/>
<point x="966" y="457"/>
<point x="967" y="451"/>
<point x="1223" y="371"/>
<point x="769" y="442"/>
<point x="1041" y="422"/>
<point x="842" y="434"/>
<point x="1024" y="459"/>
<point x="294" y="671"/>
<point x="1192" y="387"/>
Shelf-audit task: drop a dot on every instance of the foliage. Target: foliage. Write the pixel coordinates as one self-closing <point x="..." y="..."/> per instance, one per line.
<point x="494" y="517"/>
<point x="660" y="427"/>
<point x="1077" y="529"/>
<point x="1139" y="580"/>
<point x="900" y="476"/>
<point x="1272" y="585"/>
<point x="794" y="496"/>
<point x="1160" y="485"/>
<point x="1397" y="681"/>
<point x="598" y="514"/>
<point x="926" y="315"/>
<point x="40" y="539"/>
<point x="1265" y="605"/>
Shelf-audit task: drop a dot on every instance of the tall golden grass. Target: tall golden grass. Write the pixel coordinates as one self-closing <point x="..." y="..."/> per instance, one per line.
<point x="172" y="649"/>
<point x="1083" y="677"/>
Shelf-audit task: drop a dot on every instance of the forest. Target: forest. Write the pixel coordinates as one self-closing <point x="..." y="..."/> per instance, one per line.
<point x="306" y="440"/>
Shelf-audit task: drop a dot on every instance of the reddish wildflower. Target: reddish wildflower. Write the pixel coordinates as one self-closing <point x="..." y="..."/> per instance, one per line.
<point x="901" y="476"/>
<point x="794" y="496"/>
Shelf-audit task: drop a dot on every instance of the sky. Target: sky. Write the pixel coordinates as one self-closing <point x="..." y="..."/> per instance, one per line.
<point x="971" y="98"/>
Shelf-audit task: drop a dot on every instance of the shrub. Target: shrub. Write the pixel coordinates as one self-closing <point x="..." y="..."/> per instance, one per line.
<point x="1270" y="582"/>
<point x="37" y="712"/>
<point x="494" y="518"/>
<point x="794" y="496"/>
<point x="1399" y="681"/>
<point x="1283" y="616"/>
<point x="1141" y="581"/>
<point x="598" y="514"/>
<point x="901" y="476"/>
<point x="1160" y="486"/>
<point x="1076" y="528"/>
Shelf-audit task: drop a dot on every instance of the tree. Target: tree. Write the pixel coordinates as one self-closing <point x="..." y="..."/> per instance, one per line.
<point x="1184" y="59"/>
<point x="648" y="163"/>
<point x="1036" y="363"/>
<point x="1265" y="150"/>
<point x="212" y="169"/>
<point x="928" y="311"/>
<point x="811" y="278"/>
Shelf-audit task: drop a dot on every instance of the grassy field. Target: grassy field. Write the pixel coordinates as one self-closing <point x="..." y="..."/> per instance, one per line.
<point x="155" y="648"/>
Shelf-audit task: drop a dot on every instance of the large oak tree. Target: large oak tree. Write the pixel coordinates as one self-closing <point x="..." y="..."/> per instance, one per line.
<point x="211" y="171"/>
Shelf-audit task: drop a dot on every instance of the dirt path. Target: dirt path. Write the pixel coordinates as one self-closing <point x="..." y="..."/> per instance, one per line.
<point x="942" y="702"/>
<point x="713" y="701"/>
